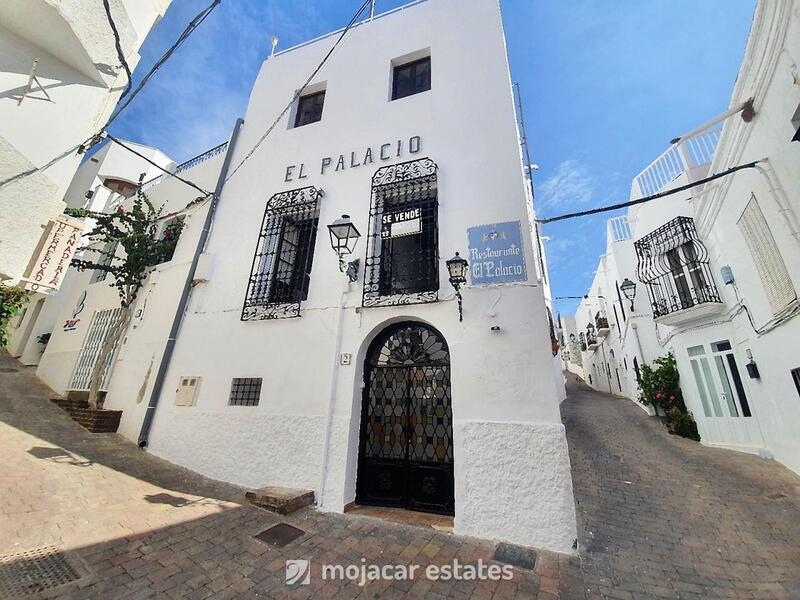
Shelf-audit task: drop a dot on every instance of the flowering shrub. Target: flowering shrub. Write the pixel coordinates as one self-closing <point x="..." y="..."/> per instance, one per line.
<point x="659" y="387"/>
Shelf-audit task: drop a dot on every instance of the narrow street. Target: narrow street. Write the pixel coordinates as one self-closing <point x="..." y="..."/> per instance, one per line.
<point x="663" y="517"/>
<point x="659" y="517"/>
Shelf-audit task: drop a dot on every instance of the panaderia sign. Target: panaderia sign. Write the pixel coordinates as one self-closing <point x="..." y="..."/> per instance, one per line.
<point x="53" y="254"/>
<point x="356" y="158"/>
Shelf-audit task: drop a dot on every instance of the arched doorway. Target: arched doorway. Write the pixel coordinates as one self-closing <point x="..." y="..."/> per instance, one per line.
<point x="406" y="448"/>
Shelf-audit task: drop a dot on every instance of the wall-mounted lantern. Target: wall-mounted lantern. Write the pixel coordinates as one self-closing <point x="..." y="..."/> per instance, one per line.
<point x="628" y="288"/>
<point x="590" y="329"/>
<point x="344" y="237"/>
<point x="457" y="268"/>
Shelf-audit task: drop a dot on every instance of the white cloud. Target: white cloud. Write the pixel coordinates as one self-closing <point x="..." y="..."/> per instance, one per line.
<point x="571" y="185"/>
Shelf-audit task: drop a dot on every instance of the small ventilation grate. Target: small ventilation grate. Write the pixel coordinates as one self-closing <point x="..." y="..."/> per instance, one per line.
<point x="34" y="571"/>
<point x="279" y="535"/>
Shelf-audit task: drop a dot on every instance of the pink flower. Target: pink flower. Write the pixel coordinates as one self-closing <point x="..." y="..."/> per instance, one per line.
<point x="168" y="233"/>
<point x="672" y="398"/>
<point x="120" y="209"/>
<point x="659" y="395"/>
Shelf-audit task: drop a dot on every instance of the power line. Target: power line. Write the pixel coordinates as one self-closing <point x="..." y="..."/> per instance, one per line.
<point x="682" y="188"/>
<point x="118" y="46"/>
<point x="190" y="28"/>
<point x="143" y="157"/>
<point x="299" y="92"/>
<point x="96" y="137"/>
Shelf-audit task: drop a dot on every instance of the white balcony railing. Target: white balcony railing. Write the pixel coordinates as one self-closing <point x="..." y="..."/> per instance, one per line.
<point x="619" y="229"/>
<point x="691" y="155"/>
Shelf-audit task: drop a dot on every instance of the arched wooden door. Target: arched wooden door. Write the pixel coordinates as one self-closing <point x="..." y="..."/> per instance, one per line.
<point x="406" y="448"/>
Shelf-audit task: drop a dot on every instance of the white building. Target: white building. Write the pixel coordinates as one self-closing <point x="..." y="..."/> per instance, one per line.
<point x="715" y="266"/>
<point x="61" y="79"/>
<point x="285" y="372"/>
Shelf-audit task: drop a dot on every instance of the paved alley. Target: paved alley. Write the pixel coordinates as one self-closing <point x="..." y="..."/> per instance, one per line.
<point x="663" y="517"/>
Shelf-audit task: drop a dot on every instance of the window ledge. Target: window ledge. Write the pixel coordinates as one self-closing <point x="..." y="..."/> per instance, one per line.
<point x="690" y="315"/>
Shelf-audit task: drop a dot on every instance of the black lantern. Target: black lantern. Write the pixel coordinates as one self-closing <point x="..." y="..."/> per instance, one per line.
<point x="572" y="337"/>
<point x="457" y="268"/>
<point x="590" y="329"/>
<point x="629" y="289"/>
<point x="344" y="237"/>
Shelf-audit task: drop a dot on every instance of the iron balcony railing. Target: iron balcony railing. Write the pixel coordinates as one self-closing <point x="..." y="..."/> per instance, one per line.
<point x="185" y="166"/>
<point x="673" y="264"/>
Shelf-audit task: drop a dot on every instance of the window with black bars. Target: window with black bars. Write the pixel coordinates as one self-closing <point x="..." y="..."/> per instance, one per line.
<point x="674" y="265"/>
<point x="411" y="78"/>
<point x="402" y="265"/>
<point x="245" y="391"/>
<point x="281" y="271"/>
<point x="309" y="109"/>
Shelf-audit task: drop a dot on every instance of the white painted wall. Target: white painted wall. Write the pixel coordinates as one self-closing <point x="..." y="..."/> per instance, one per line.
<point x="79" y="69"/>
<point x="503" y="383"/>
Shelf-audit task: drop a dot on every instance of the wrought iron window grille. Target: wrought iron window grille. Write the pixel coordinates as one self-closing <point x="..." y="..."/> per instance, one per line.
<point x="402" y="266"/>
<point x="281" y="270"/>
<point x="674" y="265"/>
<point x="245" y="391"/>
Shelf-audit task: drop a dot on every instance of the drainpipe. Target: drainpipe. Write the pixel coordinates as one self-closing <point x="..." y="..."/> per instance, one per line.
<point x="337" y="350"/>
<point x="152" y="404"/>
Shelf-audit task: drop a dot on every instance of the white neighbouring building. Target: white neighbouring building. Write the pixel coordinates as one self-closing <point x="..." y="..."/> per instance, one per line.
<point x="370" y="391"/>
<point x="716" y="266"/>
<point x="60" y="78"/>
<point x="101" y="183"/>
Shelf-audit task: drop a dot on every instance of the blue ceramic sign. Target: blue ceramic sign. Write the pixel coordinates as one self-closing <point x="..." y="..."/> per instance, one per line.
<point x="496" y="253"/>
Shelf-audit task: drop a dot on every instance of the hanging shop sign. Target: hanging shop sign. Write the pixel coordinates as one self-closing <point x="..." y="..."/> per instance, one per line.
<point x="53" y="254"/>
<point x="401" y="223"/>
<point x="354" y="159"/>
<point x="497" y="253"/>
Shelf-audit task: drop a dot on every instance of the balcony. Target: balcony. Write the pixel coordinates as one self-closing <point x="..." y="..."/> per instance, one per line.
<point x="691" y="155"/>
<point x="601" y="324"/>
<point x="673" y="264"/>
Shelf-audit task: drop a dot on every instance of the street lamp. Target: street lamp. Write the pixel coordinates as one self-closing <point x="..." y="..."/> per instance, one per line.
<point x="590" y="329"/>
<point x="572" y="337"/>
<point x="344" y="237"/>
<point x="457" y="268"/>
<point x="629" y="289"/>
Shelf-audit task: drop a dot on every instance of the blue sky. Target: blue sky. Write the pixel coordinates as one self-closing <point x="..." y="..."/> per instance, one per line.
<point x="606" y="84"/>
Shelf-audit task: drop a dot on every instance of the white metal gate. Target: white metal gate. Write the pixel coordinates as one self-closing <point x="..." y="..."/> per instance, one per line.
<point x="102" y="322"/>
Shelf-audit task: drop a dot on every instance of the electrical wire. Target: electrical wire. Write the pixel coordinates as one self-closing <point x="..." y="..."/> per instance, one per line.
<point x="299" y="92"/>
<point x="143" y="157"/>
<point x="190" y="28"/>
<point x="96" y="137"/>
<point x="682" y="188"/>
<point x="120" y="53"/>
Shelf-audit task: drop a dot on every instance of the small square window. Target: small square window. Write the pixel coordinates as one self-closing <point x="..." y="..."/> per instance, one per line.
<point x="309" y="109"/>
<point x="245" y="391"/>
<point x="411" y="78"/>
<point x="796" y="124"/>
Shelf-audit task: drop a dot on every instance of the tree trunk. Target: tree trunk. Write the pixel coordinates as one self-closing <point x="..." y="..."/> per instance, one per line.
<point x="106" y="349"/>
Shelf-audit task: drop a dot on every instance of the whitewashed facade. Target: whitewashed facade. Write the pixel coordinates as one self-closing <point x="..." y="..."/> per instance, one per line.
<point x="734" y="341"/>
<point x="280" y="374"/>
<point x="61" y="79"/>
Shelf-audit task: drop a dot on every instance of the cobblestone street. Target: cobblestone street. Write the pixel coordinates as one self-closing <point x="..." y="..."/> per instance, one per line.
<point x="138" y="527"/>
<point x="664" y="517"/>
<point x="659" y="517"/>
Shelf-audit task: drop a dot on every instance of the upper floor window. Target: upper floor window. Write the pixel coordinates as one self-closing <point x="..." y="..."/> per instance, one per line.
<point x="309" y="108"/>
<point x="106" y="257"/>
<point x="673" y="264"/>
<point x="281" y="271"/>
<point x="411" y="78"/>
<point x="403" y="253"/>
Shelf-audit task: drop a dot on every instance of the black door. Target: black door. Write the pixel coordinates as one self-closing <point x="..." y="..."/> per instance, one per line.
<point x="406" y="450"/>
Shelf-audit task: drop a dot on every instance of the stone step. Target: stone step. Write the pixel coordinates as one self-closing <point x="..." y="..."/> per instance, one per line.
<point x="280" y="499"/>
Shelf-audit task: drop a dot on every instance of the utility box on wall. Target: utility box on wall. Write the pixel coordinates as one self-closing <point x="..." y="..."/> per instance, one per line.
<point x="186" y="394"/>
